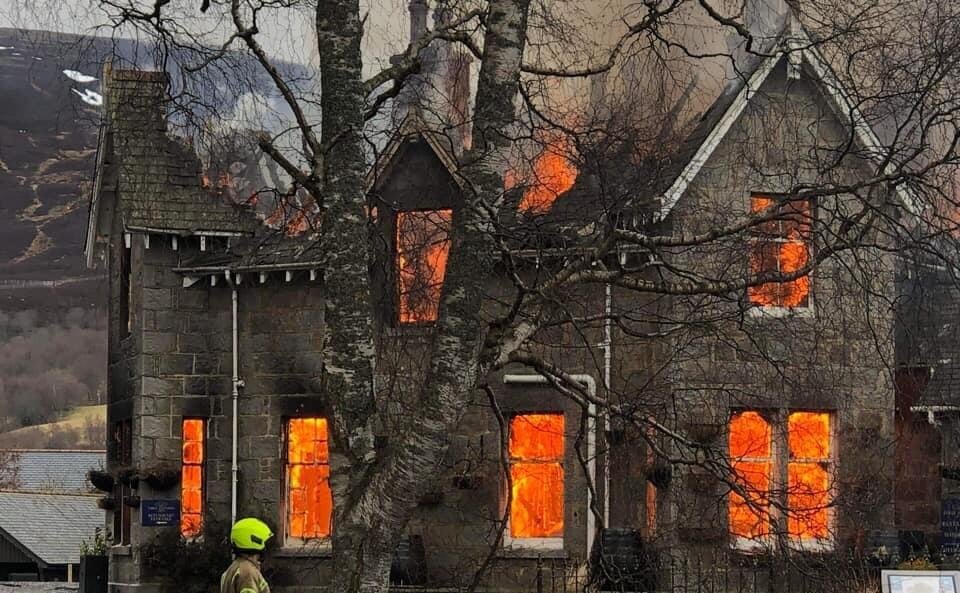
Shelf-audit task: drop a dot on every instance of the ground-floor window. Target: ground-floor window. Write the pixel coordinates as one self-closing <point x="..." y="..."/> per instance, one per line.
<point x="782" y="464"/>
<point x="309" y="503"/>
<point x="191" y="477"/>
<point x="536" y="450"/>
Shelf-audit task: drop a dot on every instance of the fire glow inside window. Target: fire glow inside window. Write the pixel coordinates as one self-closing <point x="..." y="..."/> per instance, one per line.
<point x="423" y="244"/>
<point x="750" y="459"/>
<point x="309" y="501"/>
<point x="780" y="245"/>
<point x="191" y="478"/>
<point x="536" y="475"/>
<point x="808" y="476"/>
<point x="760" y="460"/>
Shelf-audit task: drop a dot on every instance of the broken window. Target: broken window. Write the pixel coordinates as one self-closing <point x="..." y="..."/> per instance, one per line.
<point x="423" y="243"/>
<point x="122" y="457"/>
<point x="760" y="460"/>
<point x="309" y="502"/>
<point x="536" y="473"/>
<point x="191" y="478"/>
<point x="780" y="245"/>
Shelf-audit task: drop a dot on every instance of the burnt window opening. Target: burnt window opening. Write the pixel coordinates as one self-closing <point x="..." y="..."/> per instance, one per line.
<point x="780" y="245"/>
<point x="122" y="435"/>
<point x="192" y="477"/>
<point x="308" y="500"/>
<point x="126" y="286"/>
<point x="422" y="248"/>
<point x="795" y="450"/>
<point x="536" y="451"/>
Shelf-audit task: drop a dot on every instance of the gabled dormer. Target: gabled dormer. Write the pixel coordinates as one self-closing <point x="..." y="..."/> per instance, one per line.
<point x="413" y="192"/>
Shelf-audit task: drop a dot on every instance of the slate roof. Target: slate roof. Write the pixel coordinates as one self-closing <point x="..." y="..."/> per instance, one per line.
<point x="57" y="471"/>
<point x="158" y="177"/>
<point x="49" y="527"/>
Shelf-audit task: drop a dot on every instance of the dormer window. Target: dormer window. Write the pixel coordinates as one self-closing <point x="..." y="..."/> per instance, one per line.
<point x="422" y="247"/>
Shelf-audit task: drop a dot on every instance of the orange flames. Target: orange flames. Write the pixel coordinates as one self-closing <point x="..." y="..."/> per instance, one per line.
<point x="309" y="502"/>
<point x="536" y="474"/>
<point x="191" y="478"/>
<point x="808" y="489"/>
<point x="782" y="246"/>
<point x="750" y="459"/>
<point x="423" y="245"/>
<point x="553" y="174"/>
<point x="808" y="494"/>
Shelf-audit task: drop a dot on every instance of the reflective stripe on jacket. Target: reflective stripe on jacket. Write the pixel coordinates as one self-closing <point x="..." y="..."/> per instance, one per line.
<point x="243" y="576"/>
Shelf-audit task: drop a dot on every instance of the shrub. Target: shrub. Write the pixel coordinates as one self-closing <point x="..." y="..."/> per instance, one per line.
<point x="188" y="565"/>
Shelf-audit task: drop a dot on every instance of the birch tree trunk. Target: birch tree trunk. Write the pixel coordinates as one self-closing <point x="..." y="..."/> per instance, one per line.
<point x="374" y="501"/>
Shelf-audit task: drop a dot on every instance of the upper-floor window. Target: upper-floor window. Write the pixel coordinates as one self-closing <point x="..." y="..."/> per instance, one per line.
<point x="780" y="245"/>
<point x="422" y="247"/>
<point x="536" y="448"/>
<point x="309" y="502"/>
<point x="782" y="464"/>
<point x="191" y="478"/>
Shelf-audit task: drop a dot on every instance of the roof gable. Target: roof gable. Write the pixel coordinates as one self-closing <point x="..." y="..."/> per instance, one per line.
<point x="411" y="129"/>
<point x="797" y="49"/>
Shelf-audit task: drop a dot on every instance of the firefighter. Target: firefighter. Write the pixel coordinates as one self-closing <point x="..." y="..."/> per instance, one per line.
<point x="249" y="539"/>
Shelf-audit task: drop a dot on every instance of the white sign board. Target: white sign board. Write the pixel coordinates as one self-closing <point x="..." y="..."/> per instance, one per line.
<point x="920" y="581"/>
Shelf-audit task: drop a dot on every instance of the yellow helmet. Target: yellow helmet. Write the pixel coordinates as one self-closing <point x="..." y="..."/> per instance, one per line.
<point x="250" y="534"/>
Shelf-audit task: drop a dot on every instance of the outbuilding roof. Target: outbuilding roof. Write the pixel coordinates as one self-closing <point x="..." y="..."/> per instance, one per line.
<point x="56" y="471"/>
<point x="49" y="527"/>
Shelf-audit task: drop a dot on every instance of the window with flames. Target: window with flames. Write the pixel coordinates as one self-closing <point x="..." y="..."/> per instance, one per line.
<point x="309" y="502"/>
<point x="191" y="478"/>
<point x="780" y="245"/>
<point x="536" y="449"/>
<point x="760" y="460"/>
<point x="422" y="247"/>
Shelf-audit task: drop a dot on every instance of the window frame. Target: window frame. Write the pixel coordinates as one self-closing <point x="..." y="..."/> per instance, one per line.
<point x="757" y="237"/>
<point x="203" y="473"/>
<point x="395" y="266"/>
<point x="289" y="543"/>
<point x="534" y="543"/>
<point x="779" y="536"/>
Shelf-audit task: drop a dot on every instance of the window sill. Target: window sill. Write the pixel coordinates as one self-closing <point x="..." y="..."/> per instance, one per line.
<point x="121" y="550"/>
<point x="305" y="551"/>
<point x="410" y="329"/>
<point x="761" y="312"/>
<point x="533" y="549"/>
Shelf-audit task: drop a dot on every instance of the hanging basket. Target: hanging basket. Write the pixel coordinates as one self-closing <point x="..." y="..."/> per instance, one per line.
<point x="101" y="480"/>
<point x="128" y="476"/>
<point x="107" y="503"/>
<point x="132" y="501"/>
<point x="161" y="478"/>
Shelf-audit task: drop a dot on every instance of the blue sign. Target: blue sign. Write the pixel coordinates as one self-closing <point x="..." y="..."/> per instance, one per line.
<point x="950" y="526"/>
<point x="159" y="513"/>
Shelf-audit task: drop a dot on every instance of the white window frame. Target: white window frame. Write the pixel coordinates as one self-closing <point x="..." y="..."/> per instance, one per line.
<point x="535" y="543"/>
<point x="779" y="471"/>
<point x="312" y="545"/>
<point x="778" y="311"/>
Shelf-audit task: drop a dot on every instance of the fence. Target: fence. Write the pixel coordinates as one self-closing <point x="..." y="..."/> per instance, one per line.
<point x="701" y="574"/>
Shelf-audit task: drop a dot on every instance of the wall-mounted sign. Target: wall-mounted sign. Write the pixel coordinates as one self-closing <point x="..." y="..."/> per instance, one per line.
<point x="159" y="513"/>
<point x="920" y="581"/>
<point x="950" y="526"/>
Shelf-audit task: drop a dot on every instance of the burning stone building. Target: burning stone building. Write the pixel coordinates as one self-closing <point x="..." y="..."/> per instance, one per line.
<point x="217" y="325"/>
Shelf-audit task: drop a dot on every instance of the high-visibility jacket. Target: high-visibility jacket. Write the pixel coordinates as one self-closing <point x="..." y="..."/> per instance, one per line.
<point x="243" y="576"/>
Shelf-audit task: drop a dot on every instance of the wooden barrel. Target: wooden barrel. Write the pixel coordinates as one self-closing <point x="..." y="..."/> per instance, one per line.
<point x="409" y="566"/>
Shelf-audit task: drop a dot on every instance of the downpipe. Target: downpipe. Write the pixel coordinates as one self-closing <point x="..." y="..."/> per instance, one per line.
<point x="236" y="384"/>
<point x="591" y="385"/>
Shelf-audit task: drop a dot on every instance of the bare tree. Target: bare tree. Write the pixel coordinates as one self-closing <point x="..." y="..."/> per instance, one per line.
<point x="523" y="276"/>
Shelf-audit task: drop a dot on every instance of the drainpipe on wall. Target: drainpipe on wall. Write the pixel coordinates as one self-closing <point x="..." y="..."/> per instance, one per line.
<point x="235" y="397"/>
<point x="607" y="367"/>
<point x="591" y="385"/>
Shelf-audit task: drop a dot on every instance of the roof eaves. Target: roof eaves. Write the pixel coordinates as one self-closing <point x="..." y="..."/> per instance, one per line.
<point x="717" y="134"/>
